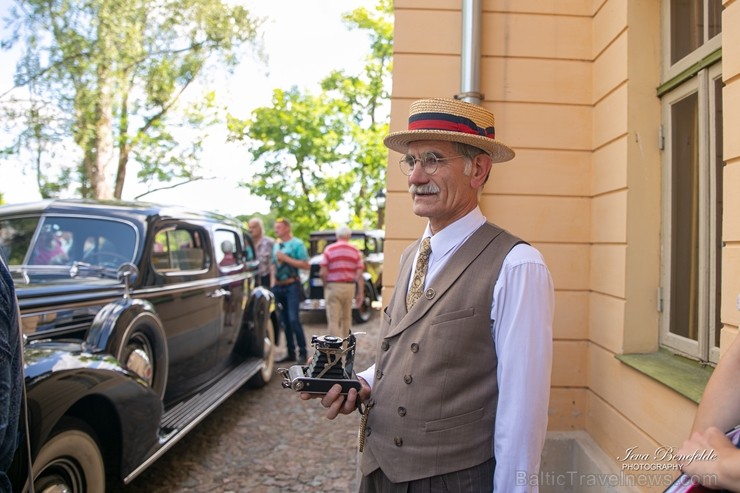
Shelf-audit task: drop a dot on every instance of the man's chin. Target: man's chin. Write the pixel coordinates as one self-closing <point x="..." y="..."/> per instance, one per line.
<point x="422" y="207"/>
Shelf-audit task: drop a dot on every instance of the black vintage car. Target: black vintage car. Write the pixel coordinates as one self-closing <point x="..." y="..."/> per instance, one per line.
<point x="138" y="321"/>
<point x="370" y="244"/>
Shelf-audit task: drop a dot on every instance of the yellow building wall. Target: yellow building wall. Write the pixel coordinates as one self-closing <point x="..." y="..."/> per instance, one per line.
<point x="572" y="84"/>
<point x="731" y="219"/>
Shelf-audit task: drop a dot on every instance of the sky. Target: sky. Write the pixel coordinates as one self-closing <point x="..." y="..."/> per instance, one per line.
<point x="304" y="39"/>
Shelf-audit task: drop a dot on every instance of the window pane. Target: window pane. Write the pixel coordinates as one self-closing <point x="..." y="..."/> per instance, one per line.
<point x="685" y="217"/>
<point x="178" y="249"/>
<point x="15" y="238"/>
<point x="715" y="18"/>
<point x="718" y="200"/>
<point x="687" y="27"/>
<point x="227" y="248"/>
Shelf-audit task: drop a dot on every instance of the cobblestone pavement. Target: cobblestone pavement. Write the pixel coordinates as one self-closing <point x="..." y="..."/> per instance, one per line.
<point x="266" y="440"/>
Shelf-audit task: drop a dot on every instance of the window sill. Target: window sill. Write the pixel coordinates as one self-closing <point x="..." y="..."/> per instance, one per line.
<point x="685" y="376"/>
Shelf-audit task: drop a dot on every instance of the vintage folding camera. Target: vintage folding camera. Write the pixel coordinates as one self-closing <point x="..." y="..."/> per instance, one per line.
<point x="331" y="364"/>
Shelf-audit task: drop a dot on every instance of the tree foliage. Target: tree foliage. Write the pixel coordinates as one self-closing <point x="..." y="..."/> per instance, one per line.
<point x="316" y="156"/>
<point x="104" y="84"/>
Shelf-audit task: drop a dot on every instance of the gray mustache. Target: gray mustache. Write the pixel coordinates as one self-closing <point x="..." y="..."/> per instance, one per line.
<point x="422" y="189"/>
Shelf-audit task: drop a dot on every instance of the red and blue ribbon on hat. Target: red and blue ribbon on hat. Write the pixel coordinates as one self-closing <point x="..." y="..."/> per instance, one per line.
<point x="448" y="122"/>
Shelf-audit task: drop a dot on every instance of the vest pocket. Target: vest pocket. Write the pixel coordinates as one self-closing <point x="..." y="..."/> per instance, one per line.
<point x="449" y="316"/>
<point x="454" y="421"/>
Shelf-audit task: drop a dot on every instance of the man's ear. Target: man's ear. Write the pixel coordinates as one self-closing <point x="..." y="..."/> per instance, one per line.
<point x="481" y="168"/>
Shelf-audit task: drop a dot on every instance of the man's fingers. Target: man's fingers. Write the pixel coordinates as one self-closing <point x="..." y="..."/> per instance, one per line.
<point x="337" y="404"/>
<point x="350" y="403"/>
<point x="331" y="396"/>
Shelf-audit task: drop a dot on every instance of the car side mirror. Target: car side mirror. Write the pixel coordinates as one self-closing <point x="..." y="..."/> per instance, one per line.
<point x="128" y="273"/>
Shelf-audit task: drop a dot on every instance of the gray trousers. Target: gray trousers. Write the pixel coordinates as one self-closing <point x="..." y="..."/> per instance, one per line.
<point x="477" y="479"/>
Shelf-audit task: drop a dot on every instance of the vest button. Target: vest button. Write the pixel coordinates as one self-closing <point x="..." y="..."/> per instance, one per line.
<point x="398" y="441"/>
<point x="402" y="411"/>
<point x="385" y="346"/>
<point x="407" y="378"/>
<point x="378" y="374"/>
<point x="429" y="293"/>
<point x="414" y="347"/>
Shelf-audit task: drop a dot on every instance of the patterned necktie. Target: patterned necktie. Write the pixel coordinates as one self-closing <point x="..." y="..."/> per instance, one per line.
<point x="420" y="272"/>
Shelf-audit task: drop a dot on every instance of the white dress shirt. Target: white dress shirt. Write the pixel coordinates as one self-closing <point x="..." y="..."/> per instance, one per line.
<point x="522" y="312"/>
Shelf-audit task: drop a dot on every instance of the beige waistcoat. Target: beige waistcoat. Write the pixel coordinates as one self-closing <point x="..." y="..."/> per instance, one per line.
<point x="435" y="392"/>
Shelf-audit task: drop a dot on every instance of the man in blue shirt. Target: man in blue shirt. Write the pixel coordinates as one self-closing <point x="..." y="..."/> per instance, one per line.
<point x="290" y="255"/>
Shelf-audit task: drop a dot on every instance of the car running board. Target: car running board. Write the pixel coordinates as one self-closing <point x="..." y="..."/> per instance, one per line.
<point x="176" y="422"/>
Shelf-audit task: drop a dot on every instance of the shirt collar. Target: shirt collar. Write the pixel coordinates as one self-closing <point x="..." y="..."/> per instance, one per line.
<point x="456" y="233"/>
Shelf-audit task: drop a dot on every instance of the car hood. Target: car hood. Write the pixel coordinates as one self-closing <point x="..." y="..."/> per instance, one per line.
<point x="59" y="291"/>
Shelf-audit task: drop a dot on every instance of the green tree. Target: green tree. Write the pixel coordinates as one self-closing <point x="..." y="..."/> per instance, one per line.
<point x="314" y="155"/>
<point x="109" y="76"/>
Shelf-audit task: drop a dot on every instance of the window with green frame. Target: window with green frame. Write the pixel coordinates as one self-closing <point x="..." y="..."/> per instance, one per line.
<point x="691" y="100"/>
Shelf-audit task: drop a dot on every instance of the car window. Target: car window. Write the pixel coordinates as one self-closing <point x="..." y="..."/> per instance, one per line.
<point x="228" y="249"/>
<point x="359" y="243"/>
<point x="62" y="240"/>
<point x="15" y="238"/>
<point x="179" y="249"/>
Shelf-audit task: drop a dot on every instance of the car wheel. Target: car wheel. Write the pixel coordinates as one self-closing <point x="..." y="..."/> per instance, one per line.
<point x="142" y="351"/>
<point x="263" y="377"/>
<point x="70" y="461"/>
<point x="363" y="313"/>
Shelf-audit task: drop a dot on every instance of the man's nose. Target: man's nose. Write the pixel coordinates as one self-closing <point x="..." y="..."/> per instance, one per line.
<point x="418" y="175"/>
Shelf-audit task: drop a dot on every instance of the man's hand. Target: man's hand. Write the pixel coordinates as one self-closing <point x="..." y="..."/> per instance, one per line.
<point x="336" y="403"/>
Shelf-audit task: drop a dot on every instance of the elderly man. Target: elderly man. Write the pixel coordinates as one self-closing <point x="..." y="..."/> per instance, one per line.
<point x="341" y="269"/>
<point x="457" y="398"/>
<point x="264" y="245"/>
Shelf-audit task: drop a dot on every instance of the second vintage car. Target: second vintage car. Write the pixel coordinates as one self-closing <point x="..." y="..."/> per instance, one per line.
<point x="139" y="320"/>
<point x="370" y="244"/>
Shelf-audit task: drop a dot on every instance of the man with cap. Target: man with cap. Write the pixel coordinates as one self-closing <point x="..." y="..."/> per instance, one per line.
<point x="457" y="398"/>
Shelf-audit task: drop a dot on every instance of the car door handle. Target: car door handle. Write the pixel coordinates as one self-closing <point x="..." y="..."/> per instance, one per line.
<point x="219" y="293"/>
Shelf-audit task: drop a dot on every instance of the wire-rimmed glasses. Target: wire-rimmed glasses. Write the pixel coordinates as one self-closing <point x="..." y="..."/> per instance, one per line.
<point x="429" y="163"/>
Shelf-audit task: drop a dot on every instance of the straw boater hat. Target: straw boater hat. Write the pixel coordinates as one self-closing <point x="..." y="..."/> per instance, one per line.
<point x="450" y="120"/>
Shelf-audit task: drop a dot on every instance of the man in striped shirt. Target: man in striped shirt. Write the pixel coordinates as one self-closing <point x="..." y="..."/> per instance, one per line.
<point x="341" y="267"/>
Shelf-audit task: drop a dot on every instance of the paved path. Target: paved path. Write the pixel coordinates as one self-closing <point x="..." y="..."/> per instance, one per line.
<point x="266" y="441"/>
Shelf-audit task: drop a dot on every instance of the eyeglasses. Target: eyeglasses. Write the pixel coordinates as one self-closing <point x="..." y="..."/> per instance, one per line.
<point x="429" y="163"/>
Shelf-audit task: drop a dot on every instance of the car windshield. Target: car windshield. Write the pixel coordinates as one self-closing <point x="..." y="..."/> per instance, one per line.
<point x="67" y="241"/>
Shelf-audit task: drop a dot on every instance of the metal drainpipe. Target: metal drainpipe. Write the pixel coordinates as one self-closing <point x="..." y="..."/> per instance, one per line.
<point x="472" y="13"/>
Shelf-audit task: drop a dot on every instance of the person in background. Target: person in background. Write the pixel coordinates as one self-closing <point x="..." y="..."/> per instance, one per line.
<point x="458" y="396"/>
<point x="227" y="247"/>
<point x="718" y="412"/>
<point x="48" y="249"/>
<point x="264" y="245"/>
<point x="341" y="270"/>
<point x="289" y="256"/>
<point x="11" y="372"/>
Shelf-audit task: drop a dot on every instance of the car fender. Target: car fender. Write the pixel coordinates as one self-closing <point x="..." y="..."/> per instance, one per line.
<point x="64" y="380"/>
<point x="113" y="325"/>
<point x="102" y="332"/>
<point x="261" y="307"/>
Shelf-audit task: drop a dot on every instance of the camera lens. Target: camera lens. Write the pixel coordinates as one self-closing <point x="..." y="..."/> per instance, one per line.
<point x="327" y="341"/>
